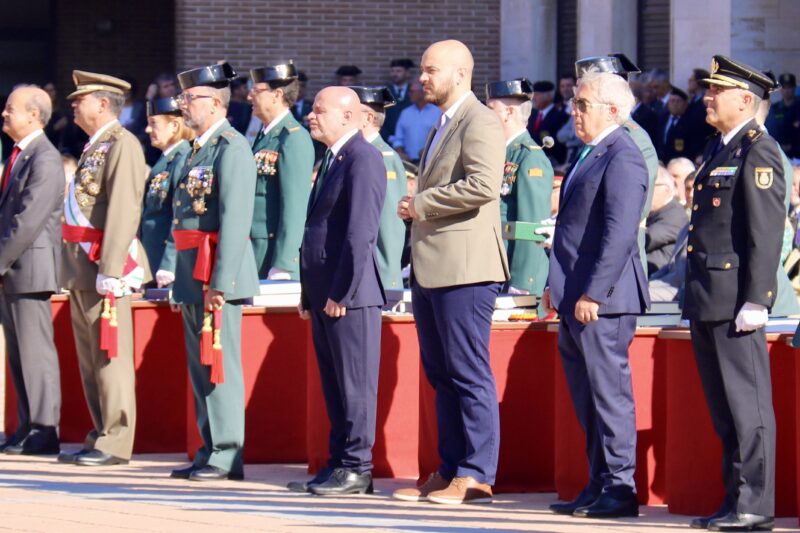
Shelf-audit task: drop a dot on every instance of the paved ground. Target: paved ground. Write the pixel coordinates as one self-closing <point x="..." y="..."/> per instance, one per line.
<point x="38" y="494"/>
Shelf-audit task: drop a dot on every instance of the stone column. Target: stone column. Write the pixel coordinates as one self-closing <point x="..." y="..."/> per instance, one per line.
<point x="528" y="39"/>
<point x="698" y="31"/>
<point x="607" y="27"/>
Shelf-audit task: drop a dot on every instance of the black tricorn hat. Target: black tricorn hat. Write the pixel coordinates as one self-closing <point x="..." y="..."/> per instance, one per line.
<point x="348" y="70"/>
<point x="402" y="62"/>
<point x="726" y="72"/>
<point x="281" y="73"/>
<point x="218" y="75"/>
<point x="378" y="95"/>
<point x="163" y="106"/>
<point x="543" y="86"/>
<point x="679" y="93"/>
<point x="615" y="64"/>
<point x="520" y="88"/>
<point x="787" y="79"/>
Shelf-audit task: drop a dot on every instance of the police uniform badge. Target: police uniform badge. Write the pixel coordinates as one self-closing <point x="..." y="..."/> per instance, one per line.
<point x="679" y="145"/>
<point x="764" y="177"/>
<point x="158" y="186"/>
<point x="198" y="185"/>
<point x="266" y="162"/>
<point x="509" y="176"/>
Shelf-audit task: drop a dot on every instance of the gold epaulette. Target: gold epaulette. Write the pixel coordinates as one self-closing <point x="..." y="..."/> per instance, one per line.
<point x="292" y="130"/>
<point x="228" y="134"/>
<point x="388" y="153"/>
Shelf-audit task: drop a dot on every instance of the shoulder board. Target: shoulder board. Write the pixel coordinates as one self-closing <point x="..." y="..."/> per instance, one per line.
<point x="630" y="125"/>
<point x="388" y="153"/>
<point x="228" y="134"/>
<point x="752" y="136"/>
<point x="532" y="147"/>
<point x="293" y="129"/>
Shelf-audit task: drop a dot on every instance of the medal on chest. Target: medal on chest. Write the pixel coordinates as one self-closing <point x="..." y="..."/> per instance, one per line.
<point x="198" y="184"/>
<point x="159" y="186"/>
<point x="509" y="177"/>
<point x="266" y="162"/>
<point x="87" y="183"/>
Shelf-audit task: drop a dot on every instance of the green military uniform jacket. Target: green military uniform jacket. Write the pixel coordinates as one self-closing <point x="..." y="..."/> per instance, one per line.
<point x="157" y="210"/>
<point x="392" y="230"/>
<point x="284" y="159"/>
<point x="110" y="178"/>
<point x="645" y="145"/>
<point x="215" y="193"/>
<point x="525" y="197"/>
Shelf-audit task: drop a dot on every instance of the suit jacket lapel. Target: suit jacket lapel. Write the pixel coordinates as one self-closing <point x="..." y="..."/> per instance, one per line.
<point x="330" y="174"/>
<point x="450" y="127"/>
<point x="22" y="158"/>
<point x="724" y="153"/>
<point x="590" y="160"/>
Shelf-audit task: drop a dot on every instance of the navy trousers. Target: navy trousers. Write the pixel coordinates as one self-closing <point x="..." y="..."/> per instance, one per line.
<point x="453" y="325"/>
<point x="595" y="359"/>
<point x="734" y="369"/>
<point x="348" y="355"/>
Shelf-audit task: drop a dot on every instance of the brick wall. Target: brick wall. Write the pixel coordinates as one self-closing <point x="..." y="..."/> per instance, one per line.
<point x="320" y="35"/>
<point x="138" y="43"/>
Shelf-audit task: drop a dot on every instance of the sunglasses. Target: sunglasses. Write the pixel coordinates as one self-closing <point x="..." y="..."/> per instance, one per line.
<point x="582" y="105"/>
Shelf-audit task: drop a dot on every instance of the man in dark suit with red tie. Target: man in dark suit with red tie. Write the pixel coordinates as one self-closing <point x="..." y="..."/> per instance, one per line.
<point x="31" y="196"/>
<point x="547" y="119"/>
<point x="341" y="288"/>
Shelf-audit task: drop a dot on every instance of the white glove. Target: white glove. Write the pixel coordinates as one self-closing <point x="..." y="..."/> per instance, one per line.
<point x="514" y="290"/>
<point x="278" y="274"/>
<point x="548" y="229"/>
<point x="164" y="278"/>
<point x="105" y="284"/>
<point x="751" y="317"/>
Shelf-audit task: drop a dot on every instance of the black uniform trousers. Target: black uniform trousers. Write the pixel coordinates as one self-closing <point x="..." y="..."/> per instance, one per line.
<point x="735" y="372"/>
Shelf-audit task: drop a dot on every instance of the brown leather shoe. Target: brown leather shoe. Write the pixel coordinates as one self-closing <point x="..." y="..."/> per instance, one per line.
<point x="463" y="490"/>
<point x="434" y="482"/>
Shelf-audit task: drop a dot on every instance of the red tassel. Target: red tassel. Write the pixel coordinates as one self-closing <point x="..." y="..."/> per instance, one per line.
<point x="206" y="340"/>
<point x="217" y="365"/>
<point x="108" y="326"/>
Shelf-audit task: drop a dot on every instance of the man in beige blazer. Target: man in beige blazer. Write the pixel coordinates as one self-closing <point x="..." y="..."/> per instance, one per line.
<point x="102" y="262"/>
<point x="458" y="266"/>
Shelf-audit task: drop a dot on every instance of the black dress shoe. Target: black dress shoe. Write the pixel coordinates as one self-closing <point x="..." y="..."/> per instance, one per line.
<point x="703" y="521"/>
<point x="183" y="473"/>
<point x="71" y="458"/>
<point x="343" y="481"/>
<point x="304" y="486"/>
<point x="742" y="522"/>
<point x="213" y="473"/>
<point x="585" y="498"/>
<point x="13" y="440"/>
<point x="610" y="506"/>
<point x="98" y="458"/>
<point x="37" y="442"/>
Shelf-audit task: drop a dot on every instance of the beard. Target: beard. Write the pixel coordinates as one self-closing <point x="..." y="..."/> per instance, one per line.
<point x="194" y="121"/>
<point x="439" y="95"/>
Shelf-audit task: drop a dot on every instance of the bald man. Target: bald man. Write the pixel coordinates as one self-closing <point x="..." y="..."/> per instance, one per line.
<point x="459" y="264"/>
<point x="31" y="194"/>
<point x="341" y="288"/>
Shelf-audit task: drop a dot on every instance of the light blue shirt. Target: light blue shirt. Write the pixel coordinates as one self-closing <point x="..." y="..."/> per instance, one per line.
<point x="413" y="127"/>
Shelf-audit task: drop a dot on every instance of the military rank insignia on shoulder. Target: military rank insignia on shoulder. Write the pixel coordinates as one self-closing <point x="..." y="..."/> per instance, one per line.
<point x="228" y="134"/>
<point x="391" y="175"/>
<point x="198" y="185"/>
<point x="532" y="147"/>
<point x="266" y="162"/>
<point x="387" y="153"/>
<point x="535" y="172"/>
<point x="763" y="177"/>
<point x="158" y="186"/>
<point x="293" y="129"/>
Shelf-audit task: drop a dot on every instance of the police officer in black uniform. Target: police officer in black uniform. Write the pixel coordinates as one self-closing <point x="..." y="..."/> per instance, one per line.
<point x="733" y="252"/>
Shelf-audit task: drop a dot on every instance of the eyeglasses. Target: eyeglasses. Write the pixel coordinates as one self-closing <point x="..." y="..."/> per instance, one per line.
<point x="187" y="98"/>
<point x="582" y="105"/>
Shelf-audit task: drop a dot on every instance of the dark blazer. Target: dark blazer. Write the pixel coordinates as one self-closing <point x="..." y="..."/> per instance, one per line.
<point x="552" y="122"/>
<point x="645" y="117"/>
<point x="595" y="250"/>
<point x="337" y="255"/>
<point x="679" y="142"/>
<point x="30" y="220"/>
<point x="737" y="226"/>
<point x="663" y="227"/>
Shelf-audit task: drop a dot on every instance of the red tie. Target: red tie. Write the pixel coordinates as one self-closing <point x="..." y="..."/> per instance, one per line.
<point x="9" y="163"/>
<point x="537" y="123"/>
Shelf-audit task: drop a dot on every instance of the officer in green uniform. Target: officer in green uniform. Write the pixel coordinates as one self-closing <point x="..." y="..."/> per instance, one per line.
<point x="215" y="269"/>
<point x="392" y="231"/>
<point x="527" y="183"/>
<point x="619" y="64"/>
<point x="284" y="157"/>
<point x="168" y="133"/>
